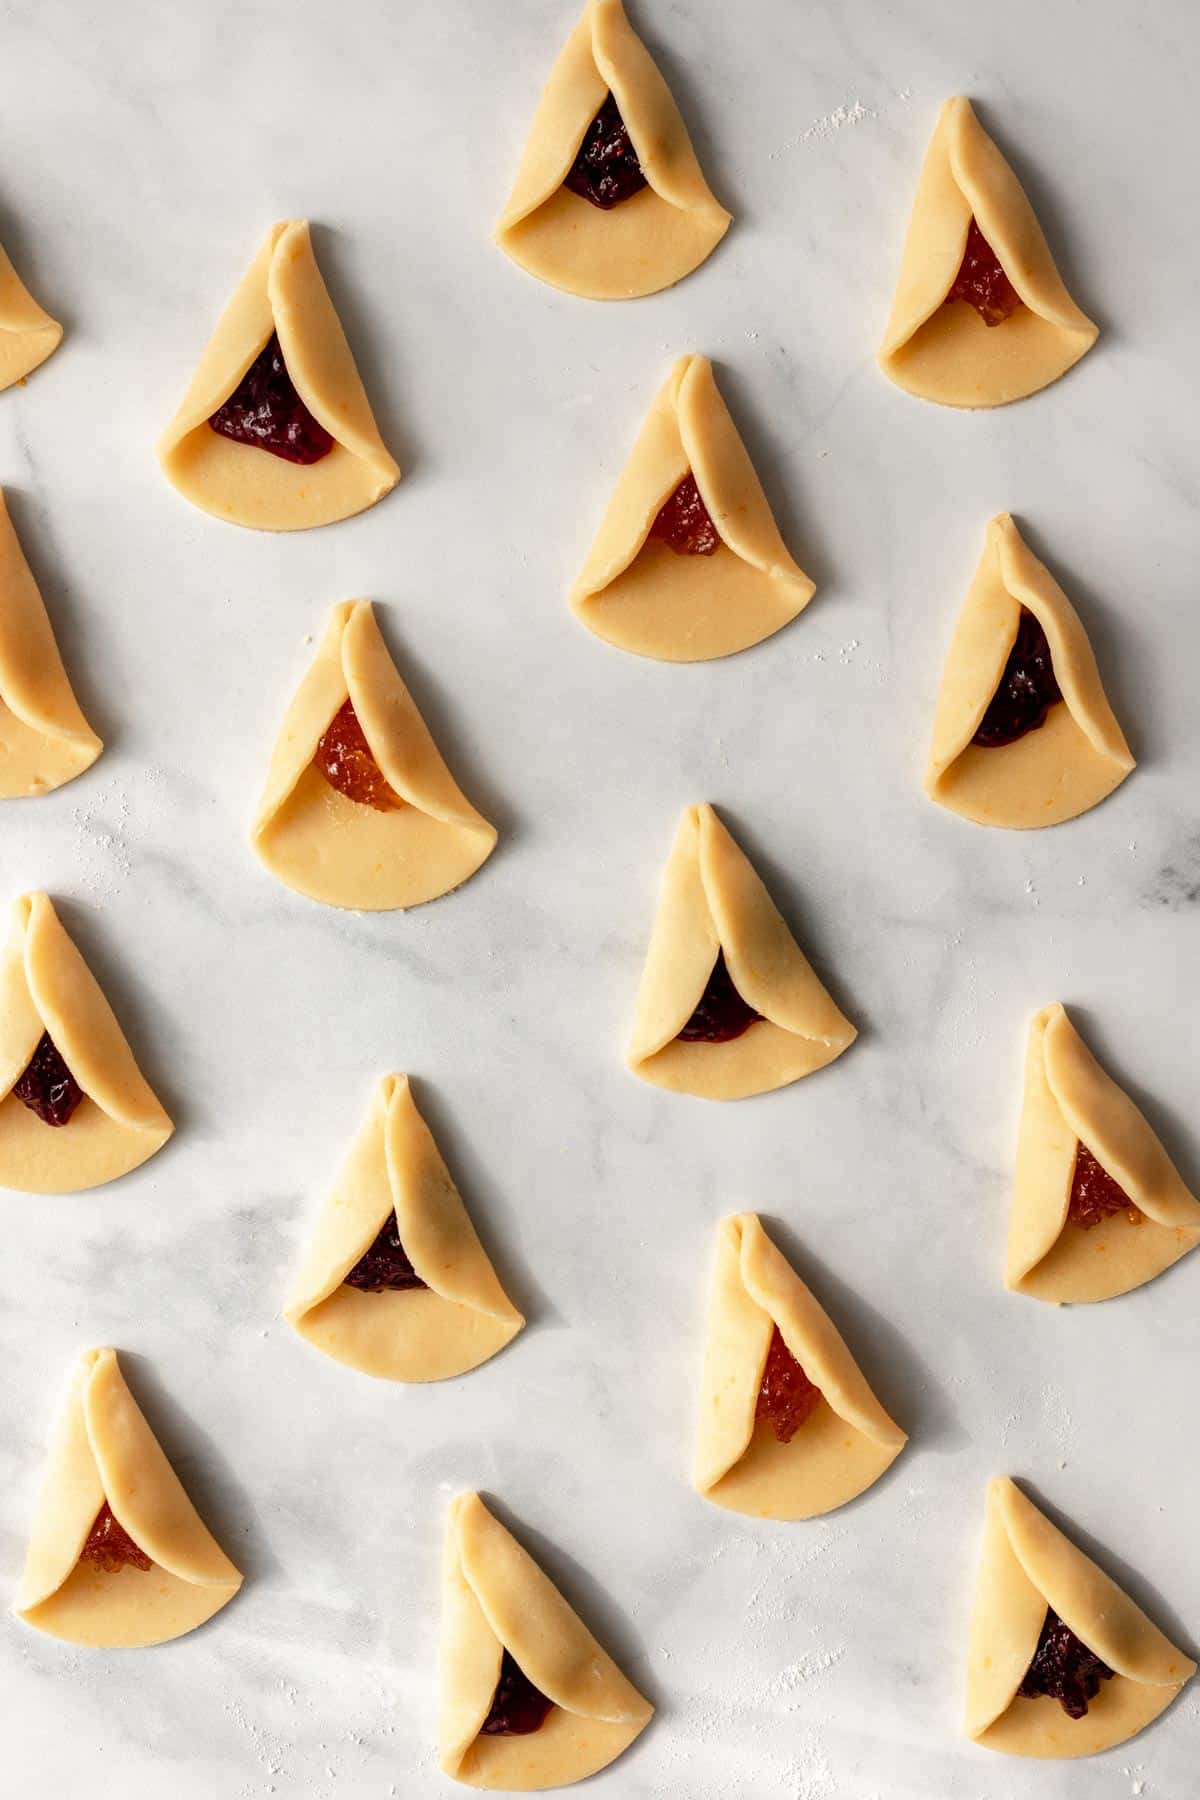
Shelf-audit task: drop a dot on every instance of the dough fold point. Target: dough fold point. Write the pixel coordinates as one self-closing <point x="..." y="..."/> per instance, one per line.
<point x="282" y="294"/>
<point x="1060" y="768"/>
<point x="1028" y="1566"/>
<point x="460" y="1315"/>
<point x="845" y="1444"/>
<point x="713" y="905"/>
<point x="945" y="352"/>
<point x="639" y="593"/>
<point x="338" y="850"/>
<point x="495" y="1598"/>
<point x="45" y="741"/>
<point x="27" y="334"/>
<point x="46" y="988"/>
<point x="104" y="1453"/>
<point x="1069" y="1101"/>
<point x="648" y="240"/>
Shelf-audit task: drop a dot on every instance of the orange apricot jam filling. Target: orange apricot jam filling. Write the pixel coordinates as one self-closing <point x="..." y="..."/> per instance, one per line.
<point x="344" y="758"/>
<point x="685" y="523"/>
<point x="1095" y="1195"/>
<point x="982" y="283"/>
<point x="109" y="1546"/>
<point x="786" y="1398"/>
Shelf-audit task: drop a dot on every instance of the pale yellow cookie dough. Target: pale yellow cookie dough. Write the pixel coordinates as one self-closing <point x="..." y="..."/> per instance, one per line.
<point x="637" y="592"/>
<point x="45" y="986"/>
<point x="282" y="292"/>
<point x="645" y="242"/>
<point x="846" y="1443"/>
<point x="1065" y="766"/>
<point x="104" y="1451"/>
<point x="711" y="901"/>
<point x="946" y="352"/>
<point x="45" y="741"/>
<point x="27" y="334"/>
<point x="1069" y="1100"/>
<point x="496" y="1598"/>
<point x="461" y="1317"/>
<point x="337" y="850"/>
<point x="1028" y="1565"/>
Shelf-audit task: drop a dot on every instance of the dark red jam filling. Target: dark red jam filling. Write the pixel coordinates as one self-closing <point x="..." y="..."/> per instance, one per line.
<point x="109" y="1546"/>
<point x="265" y="410"/>
<point x="685" y="523"/>
<point x="344" y="758"/>
<point x="982" y="283"/>
<point x="517" y="1706"/>
<point x="48" y="1087"/>
<point x="721" y="1014"/>
<point x="384" y="1265"/>
<point x="1064" y="1669"/>
<point x="607" y="170"/>
<point x="1027" y="689"/>
<point x="787" y="1397"/>
<point x="1095" y="1195"/>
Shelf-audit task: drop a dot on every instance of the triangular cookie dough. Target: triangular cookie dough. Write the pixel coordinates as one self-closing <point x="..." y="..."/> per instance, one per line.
<point x="75" y="1109"/>
<point x="728" y="1005"/>
<point x="27" y="334"/>
<point x="789" y="1427"/>
<point x="118" y="1557"/>
<point x="688" y="562"/>
<point x="278" y="372"/>
<point x="1024" y="735"/>
<point x="974" y="231"/>
<point x="529" y="1698"/>
<point x="1098" y="1206"/>
<point x="1048" y="1620"/>
<point x="395" y="1282"/>
<point x="359" y="809"/>
<point x="45" y="740"/>
<point x="609" y="201"/>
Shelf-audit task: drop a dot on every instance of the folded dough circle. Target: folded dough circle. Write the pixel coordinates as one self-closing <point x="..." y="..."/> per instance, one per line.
<point x="105" y="1456"/>
<point x="637" y="590"/>
<point x="1029" y="1567"/>
<point x="442" y="1314"/>
<point x="426" y="838"/>
<point x="497" y="1604"/>
<point x="282" y="297"/>
<point x="27" y="334"/>
<point x="45" y="741"/>
<point x="716" y="921"/>
<point x="742" y="1463"/>
<point x="1054" y="769"/>
<point x="48" y="991"/>
<point x="941" y="349"/>
<point x="647" y="240"/>
<point x="1071" y="1102"/>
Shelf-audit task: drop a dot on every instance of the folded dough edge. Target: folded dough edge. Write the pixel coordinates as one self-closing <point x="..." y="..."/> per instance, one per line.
<point x="45" y="985"/>
<point x="103" y="1449"/>
<point x="711" y="899"/>
<point x="33" y="681"/>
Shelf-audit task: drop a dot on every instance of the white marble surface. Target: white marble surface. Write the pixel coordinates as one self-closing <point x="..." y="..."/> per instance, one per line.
<point x="143" y="150"/>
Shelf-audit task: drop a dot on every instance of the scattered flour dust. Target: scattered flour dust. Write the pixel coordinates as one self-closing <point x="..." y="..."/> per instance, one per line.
<point x="831" y="123"/>
<point x="827" y="126"/>
<point x="789" y="1681"/>
<point x="809" y="1776"/>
